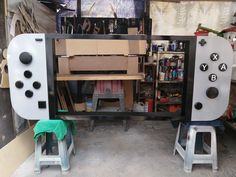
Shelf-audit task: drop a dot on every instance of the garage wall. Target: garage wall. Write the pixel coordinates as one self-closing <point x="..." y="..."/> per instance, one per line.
<point x="183" y="18"/>
<point x="6" y="122"/>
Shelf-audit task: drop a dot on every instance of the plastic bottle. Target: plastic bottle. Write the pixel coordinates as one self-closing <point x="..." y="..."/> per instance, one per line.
<point x="171" y="75"/>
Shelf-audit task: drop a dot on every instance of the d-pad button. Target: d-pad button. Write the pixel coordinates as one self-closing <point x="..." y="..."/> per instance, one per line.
<point x="202" y="42"/>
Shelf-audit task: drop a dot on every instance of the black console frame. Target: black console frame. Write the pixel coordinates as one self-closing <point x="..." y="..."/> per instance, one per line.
<point x="190" y="53"/>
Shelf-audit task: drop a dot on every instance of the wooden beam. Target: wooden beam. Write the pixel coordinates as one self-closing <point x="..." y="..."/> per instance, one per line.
<point x="91" y="77"/>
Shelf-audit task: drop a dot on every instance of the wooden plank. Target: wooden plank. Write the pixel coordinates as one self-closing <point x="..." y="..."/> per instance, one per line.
<point x="132" y="67"/>
<point x="62" y="99"/>
<point x="16" y="152"/>
<point x="129" y="95"/>
<point x="81" y="77"/>
<point x="69" y="95"/>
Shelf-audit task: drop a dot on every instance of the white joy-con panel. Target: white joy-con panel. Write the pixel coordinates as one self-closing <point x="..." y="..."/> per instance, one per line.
<point x="212" y="78"/>
<point x="28" y="76"/>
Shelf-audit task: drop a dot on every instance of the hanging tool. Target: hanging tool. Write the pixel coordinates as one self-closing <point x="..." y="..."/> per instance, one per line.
<point x="86" y="25"/>
<point x="96" y="29"/>
<point x="104" y="27"/>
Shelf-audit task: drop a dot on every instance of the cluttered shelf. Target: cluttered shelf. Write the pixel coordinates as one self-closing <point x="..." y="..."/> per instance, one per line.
<point x="170" y="82"/>
<point x="90" y="77"/>
<point x="169" y="103"/>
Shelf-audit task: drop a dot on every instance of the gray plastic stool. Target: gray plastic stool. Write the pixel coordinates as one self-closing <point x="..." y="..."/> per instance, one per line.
<point x="188" y="154"/>
<point x="61" y="159"/>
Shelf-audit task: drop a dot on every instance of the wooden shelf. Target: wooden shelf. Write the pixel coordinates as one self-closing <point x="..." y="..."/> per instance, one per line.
<point x="147" y="82"/>
<point x="169" y="52"/>
<point x="170" y="82"/>
<point x="150" y="64"/>
<point x="91" y="77"/>
<point x="169" y="103"/>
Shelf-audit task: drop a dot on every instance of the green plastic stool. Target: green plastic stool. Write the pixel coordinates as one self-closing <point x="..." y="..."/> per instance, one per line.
<point x="61" y="129"/>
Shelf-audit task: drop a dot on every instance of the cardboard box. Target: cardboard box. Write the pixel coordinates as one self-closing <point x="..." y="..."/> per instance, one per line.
<point x="133" y="30"/>
<point x="79" y="107"/>
<point x="81" y="47"/>
<point x="63" y="65"/>
<point x="113" y="47"/>
<point x="137" y="47"/>
<point x="73" y="47"/>
<point x="60" y="47"/>
<point x="98" y="63"/>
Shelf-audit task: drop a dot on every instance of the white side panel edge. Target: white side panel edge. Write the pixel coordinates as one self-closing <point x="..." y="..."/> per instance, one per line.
<point x="26" y="107"/>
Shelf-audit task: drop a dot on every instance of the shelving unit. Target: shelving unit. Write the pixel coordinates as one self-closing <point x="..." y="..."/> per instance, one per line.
<point x="231" y="124"/>
<point x="165" y="82"/>
<point x="147" y="86"/>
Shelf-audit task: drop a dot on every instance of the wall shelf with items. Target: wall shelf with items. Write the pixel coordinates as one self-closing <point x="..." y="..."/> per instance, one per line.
<point x="169" y="77"/>
<point x="146" y="92"/>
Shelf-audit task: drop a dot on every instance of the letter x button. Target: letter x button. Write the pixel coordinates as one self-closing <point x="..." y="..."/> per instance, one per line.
<point x="214" y="56"/>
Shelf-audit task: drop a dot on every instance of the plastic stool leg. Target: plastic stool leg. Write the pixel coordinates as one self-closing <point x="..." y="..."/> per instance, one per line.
<point x="125" y="125"/>
<point x="38" y="152"/>
<point x="73" y="145"/>
<point x="122" y="103"/>
<point x="214" y="150"/>
<point x="91" y="125"/>
<point x="177" y="138"/>
<point x="190" y="148"/>
<point x="62" y="147"/>
<point x="95" y="103"/>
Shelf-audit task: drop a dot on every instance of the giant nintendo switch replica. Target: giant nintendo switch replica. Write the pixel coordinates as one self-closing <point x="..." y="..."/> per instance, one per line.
<point x="32" y="74"/>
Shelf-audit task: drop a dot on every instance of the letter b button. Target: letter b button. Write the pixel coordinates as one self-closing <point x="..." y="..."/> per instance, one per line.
<point x="212" y="77"/>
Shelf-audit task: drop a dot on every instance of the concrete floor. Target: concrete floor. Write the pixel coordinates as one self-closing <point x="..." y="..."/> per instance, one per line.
<point x="144" y="151"/>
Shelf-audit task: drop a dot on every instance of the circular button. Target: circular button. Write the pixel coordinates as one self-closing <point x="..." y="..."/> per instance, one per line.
<point x="25" y="58"/>
<point x="198" y="105"/>
<point x="29" y="93"/>
<point x="36" y="85"/>
<point x="215" y="56"/>
<point x="212" y="92"/>
<point x="223" y="67"/>
<point x="19" y="84"/>
<point x="204" y="67"/>
<point x="28" y="74"/>
<point x="212" y="77"/>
